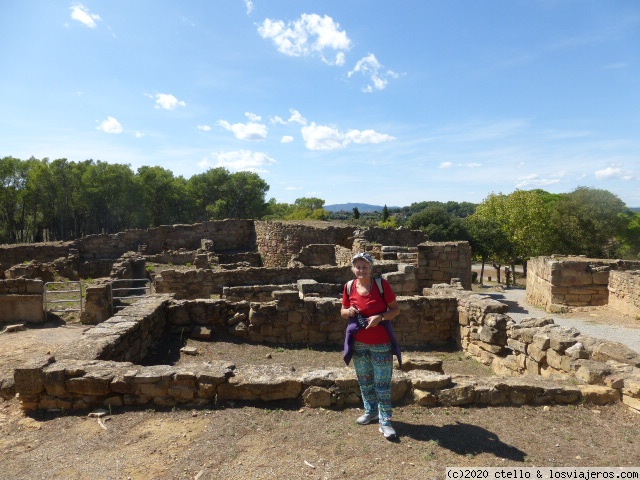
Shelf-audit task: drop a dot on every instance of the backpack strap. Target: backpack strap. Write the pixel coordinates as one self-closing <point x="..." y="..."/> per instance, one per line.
<point x="350" y="286"/>
<point x="380" y="287"/>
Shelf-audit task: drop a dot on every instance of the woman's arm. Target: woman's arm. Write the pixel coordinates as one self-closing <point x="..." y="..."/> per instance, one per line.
<point x="348" y="312"/>
<point x="393" y="310"/>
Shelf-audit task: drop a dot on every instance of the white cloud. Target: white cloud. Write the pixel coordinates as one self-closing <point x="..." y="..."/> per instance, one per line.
<point x="534" y="181"/>
<point x="168" y="101"/>
<point x="204" y="128"/>
<point x="368" y="136"/>
<point x="110" y="125"/>
<point x="286" y="139"/>
<point x="613" y="172"/>
<point x="239" y="160"/>
<point x="296" y="117"/>
<point x="370" y="67"/>
<point x="246" y="131"/>
<point x="460" y="165"/>
<point x="81" y="13"/>
<point x="309" y="35"/>
<point x="253" y="117"/>
<point x="322" y="137"/>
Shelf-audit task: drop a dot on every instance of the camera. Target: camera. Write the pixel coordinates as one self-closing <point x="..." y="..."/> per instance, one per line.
<point x="363" y="321"/>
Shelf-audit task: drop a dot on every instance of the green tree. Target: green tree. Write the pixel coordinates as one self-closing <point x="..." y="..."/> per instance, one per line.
<point x="278" y="211"/>
<point x="308" y="208"/>
<point x="588" y="222"/>
<point x="13" y="179"/>
<point x="489" y="242"/>
<point x="630" y="237"/>
<point x="162" y="194"/>
<point x="205" y="189"/>
<point x="111" y="198"/>
<point x="438" y="224"/>
<point x="242" y="196"/>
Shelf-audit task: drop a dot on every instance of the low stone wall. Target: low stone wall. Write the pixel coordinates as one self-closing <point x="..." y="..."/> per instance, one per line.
<point x="125" y="337"/>
<point x="624" y="292"/>
<point x="101" y="369"/>
<point x="555" y="283"/>
<point x="21" y="301"/>
<point x="540" y="348"/>
<point x="290" y="319"/>
<point x="203" y="283"/>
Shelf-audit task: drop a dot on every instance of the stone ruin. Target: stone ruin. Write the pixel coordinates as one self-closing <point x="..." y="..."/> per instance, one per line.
<point x="558" y="283"/>
<point x="280" y="283"/>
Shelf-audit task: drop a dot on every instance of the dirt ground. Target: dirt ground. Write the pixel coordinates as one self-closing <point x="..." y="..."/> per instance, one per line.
<point x="285" y="440"/>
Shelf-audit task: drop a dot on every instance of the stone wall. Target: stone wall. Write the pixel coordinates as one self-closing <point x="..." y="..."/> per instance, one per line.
<point x="279" y="241"/>
<point x="41" y="252"/>
<point x="439" y="262"/>
<point x="538" y="347"/>
<point x="401" y="237"/>
<point x="555" y="283"/>
<point x="315" y="255"/>
<point x="21" y="301"/>
<point x="101" y="369"/>
<point x="624" y="292"/>
<point x="226" y="235"/>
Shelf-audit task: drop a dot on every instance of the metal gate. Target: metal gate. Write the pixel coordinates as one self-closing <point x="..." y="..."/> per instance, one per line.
<point x="125" y="291"/>
<point x="59" y="293"/>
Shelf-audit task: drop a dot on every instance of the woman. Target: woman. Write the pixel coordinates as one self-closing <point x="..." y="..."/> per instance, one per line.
<point x="371" y="342"/>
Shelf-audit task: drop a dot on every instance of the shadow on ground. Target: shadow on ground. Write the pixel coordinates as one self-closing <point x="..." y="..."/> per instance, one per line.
<point x="462" y="439"/>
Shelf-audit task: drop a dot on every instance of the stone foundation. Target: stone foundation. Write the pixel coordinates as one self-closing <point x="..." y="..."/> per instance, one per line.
<point x="102" y="369"/>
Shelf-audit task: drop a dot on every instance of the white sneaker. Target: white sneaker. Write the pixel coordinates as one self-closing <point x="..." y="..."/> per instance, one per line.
<point x="388" y="432"/>
<point x="367" y="418"/>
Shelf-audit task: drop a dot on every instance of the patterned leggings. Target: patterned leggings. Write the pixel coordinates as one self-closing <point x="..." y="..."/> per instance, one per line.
<point x="374" y="369"/>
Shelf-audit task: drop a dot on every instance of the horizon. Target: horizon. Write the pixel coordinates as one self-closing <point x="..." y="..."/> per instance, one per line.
<point x="430" y="102"/>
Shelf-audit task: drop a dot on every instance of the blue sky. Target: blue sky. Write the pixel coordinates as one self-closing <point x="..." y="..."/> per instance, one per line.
<point x="381" y="102"/>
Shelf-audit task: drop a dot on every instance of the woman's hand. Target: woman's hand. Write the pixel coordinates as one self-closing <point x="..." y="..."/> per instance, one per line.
<point x="349" y="312"/>
<point x="375" y="320"/>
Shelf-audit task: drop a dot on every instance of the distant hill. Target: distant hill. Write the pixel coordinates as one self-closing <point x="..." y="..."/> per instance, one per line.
<point x="362" y="207"/>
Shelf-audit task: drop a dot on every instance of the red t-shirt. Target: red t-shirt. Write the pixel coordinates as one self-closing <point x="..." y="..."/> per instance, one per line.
<point x="369" y="305"/>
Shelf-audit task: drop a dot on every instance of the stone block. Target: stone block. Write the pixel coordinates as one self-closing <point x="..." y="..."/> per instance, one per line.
<point x="558" y="361"/>
<point x="29" y="378"/>
<point x="425" y="381"/>
<point x="316" y="397"/>
<point x="599" y="394"/>
<point x="631" y="402"/>
<point x="590" y="371"/>
<point x="424" y="398"/>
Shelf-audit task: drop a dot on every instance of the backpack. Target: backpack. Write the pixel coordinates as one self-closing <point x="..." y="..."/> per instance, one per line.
<point x="378" y="281"/>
